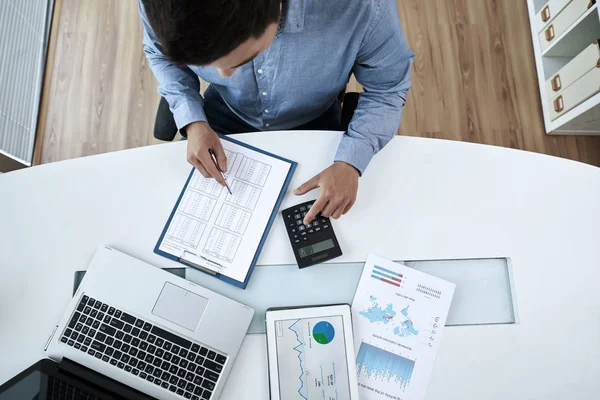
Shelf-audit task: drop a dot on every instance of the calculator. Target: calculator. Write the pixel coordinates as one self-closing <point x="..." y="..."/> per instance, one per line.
<point x="313" y="243"/>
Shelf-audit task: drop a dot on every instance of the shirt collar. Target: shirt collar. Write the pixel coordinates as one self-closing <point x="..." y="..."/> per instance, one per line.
<point x="294" y="20"/>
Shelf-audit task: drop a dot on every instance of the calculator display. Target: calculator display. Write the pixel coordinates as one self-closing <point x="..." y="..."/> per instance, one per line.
<point x="316" y="248"/>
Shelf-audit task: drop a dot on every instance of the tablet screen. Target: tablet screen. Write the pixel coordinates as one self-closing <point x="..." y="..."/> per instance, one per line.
<point x="311" y="356"/>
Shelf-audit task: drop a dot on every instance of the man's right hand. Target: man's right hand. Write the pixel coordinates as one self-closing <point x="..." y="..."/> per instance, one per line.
<point x="201" y="137"/>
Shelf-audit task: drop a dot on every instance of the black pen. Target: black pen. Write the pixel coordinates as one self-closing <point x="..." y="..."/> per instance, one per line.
<point x="214" y="158"/>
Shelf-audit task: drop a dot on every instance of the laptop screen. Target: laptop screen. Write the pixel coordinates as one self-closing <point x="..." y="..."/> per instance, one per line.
<point x="40" y="386"/>
<point x="26" y="389"/>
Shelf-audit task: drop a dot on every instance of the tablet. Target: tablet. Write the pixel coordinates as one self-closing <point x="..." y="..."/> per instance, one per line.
<point x="311" y="353"/>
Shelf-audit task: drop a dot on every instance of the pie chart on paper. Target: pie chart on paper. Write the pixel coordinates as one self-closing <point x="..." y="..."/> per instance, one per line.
<point x="323" y="332"/>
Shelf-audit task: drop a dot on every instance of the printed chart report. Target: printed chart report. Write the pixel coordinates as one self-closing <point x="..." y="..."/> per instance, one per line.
<point x="311" y="357"/>
<point x="221" y="231"/>
<point x="398" y="315"/>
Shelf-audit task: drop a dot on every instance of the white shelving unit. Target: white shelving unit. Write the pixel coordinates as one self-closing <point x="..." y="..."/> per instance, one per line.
<point x="583" y="119"/>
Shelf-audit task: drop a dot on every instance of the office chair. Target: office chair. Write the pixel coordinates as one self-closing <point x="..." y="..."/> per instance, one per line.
<point x="165" y="128"/>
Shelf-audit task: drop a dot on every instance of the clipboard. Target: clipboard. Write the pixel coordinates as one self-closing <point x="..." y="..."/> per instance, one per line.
<point x="212" y="267"/>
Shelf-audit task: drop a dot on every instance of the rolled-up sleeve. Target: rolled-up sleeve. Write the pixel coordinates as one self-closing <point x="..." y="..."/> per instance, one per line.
<point x="382" y="67"/>
<point x="179" y="85"/>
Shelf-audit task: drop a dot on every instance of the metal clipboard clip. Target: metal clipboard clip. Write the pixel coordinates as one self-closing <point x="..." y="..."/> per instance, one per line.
<point x="193" y="260"/>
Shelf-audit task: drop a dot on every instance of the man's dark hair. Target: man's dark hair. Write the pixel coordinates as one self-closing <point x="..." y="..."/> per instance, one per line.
<point x="199" y="32"/>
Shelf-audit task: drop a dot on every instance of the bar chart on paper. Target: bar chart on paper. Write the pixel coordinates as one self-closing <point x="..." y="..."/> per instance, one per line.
<point x="380" y="366"/>
<point x="386" y="276"/>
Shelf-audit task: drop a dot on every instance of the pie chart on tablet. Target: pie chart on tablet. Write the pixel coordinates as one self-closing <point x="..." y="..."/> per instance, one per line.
<point x="323" y="332"/>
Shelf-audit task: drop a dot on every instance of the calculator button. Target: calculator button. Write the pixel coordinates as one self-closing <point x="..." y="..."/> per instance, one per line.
<point x="295" y="236"/>
<point x="289" y="216"/>
<point x="317" y="229"/>
<point x="325" y="226"/>
<point x="305" y="239"/>
<point x="315" y="223"/>
<point x="308" y="225"/>
<point x="296" y="211"/>
<point x="323" y="220"/>
<point x="303" y="234"/>
<point x="297" y="241"/>
<point x="301" y="228"/>
<point x="297" y="216"/>
<point x="302" y="208"/>
<point x="299" y="222"/>
<point x="311" y="231"/>
<point x="294" y="230"/>
<point x="304" y="214"/>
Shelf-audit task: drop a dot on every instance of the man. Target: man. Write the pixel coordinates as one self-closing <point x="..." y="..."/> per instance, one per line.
<point x="280" y="65"/>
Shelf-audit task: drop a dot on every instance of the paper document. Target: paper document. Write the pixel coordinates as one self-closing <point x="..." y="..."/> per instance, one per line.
<point x="222" y="232"/>
<point x="398" y="316"/>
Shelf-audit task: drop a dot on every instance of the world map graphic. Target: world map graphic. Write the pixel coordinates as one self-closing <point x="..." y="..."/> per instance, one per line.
<point x="378" y="314"/>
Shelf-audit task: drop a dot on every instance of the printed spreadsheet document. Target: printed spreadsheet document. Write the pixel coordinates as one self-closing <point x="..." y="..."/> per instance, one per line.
<point x="219" y="231"/>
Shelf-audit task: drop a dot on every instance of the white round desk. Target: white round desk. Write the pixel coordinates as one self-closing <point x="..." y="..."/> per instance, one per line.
<point x="419" y="199"/>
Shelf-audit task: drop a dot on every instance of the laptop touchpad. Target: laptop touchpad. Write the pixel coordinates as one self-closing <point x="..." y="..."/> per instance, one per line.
<point x="180" y="306"/>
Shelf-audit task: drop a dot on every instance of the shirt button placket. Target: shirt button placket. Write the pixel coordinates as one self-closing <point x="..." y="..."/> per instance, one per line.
<point x="263" y="95"/>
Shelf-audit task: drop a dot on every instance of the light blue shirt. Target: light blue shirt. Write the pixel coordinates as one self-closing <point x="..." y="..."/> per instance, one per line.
<point x="301" y="74"/>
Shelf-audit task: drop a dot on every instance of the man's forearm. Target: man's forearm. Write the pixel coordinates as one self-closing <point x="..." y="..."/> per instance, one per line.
<point x="375" y="122"/>
<point x="383" y="68"/>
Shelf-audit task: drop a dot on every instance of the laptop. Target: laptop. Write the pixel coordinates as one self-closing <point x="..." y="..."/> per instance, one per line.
<point x="135" y="330"/>
<point x="49" y="380"/>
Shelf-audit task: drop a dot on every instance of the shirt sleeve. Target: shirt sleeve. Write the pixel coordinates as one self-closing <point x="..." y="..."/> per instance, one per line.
<point x="382" y="67"/>
<point x="179" y="85"/>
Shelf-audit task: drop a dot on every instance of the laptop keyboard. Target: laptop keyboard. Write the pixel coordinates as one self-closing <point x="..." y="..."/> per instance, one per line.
<point x="144" y="350"/>
<point x="60" y="390"/>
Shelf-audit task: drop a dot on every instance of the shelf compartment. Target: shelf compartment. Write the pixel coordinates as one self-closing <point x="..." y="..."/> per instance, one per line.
<point x="577" y="37"/>
<point x="574" y="69"/>
<point x="546" y="12"/>
<point x="584" y="88"/>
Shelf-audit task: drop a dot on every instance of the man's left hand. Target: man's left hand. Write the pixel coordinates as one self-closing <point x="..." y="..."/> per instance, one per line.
<point x="339" y="184"/>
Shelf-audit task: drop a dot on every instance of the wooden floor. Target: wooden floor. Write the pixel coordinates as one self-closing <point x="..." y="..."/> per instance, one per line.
<point x="102" y="95"/>
<point x="473" y="79"/>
